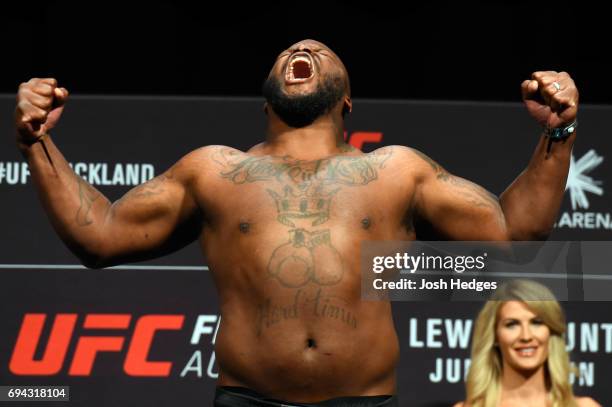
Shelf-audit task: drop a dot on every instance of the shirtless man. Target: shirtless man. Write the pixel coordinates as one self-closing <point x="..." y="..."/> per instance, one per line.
<point x="281" y="225"/>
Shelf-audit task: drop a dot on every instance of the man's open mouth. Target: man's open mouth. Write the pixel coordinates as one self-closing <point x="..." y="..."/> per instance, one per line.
<point x="300" y="68"/>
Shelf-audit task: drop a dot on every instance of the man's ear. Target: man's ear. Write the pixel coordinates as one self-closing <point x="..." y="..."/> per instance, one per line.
<point x="265" y="108"/>
<point x="348" y="106"/>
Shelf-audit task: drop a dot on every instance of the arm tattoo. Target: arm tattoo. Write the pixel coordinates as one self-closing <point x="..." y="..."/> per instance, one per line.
<point x="434" y="165"/>
<point x="475" y="194"/>
<point x="87" y="196"/>
<point x="150" y="188"/>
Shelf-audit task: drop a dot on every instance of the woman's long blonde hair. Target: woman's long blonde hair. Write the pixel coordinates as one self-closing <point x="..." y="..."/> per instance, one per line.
<point x="484" y="378"/>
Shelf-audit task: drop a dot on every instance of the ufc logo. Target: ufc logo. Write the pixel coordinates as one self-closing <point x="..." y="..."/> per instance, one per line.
<point x="136" y="364"/>
<point x="359" y="138"/>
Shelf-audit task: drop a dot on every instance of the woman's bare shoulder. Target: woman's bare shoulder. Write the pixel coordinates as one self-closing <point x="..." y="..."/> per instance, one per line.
<point x="586" y="402"/>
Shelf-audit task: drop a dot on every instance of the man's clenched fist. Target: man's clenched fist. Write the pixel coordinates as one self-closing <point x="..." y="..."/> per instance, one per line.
<point x="551" y="98"/>
<point x="39" y="106"/>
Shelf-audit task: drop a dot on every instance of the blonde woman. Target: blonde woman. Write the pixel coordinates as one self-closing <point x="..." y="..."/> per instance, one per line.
<point x="518" y="352"/>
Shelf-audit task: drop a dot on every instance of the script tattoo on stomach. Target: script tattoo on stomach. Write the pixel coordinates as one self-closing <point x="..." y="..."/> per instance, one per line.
<point x="303" y="195"/>
<point x="317" y="304"/>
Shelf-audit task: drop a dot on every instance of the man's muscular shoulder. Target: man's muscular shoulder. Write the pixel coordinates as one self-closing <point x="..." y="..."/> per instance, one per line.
<point x="199" y="164"/>
<point x="405" y="162"/>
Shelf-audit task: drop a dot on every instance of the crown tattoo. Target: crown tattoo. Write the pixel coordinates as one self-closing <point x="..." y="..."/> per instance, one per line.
<point x="303" y="204"/>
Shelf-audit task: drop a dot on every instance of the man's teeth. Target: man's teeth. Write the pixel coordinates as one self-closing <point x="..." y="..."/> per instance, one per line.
<point x="292" y="64"/>
<point x="300" y="59"/>
<point x="527" y="351"/>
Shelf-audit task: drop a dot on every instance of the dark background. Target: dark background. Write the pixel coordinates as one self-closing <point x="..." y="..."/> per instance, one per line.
<point x="474" y="50"/>
<point x="417" y="51"/>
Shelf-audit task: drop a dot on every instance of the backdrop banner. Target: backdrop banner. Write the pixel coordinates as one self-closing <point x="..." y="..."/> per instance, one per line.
<point x="144" y="334"/>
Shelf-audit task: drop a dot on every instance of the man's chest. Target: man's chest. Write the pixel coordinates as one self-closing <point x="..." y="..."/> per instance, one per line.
<point x="312" y="206"/>
<point x="341" y="190"/>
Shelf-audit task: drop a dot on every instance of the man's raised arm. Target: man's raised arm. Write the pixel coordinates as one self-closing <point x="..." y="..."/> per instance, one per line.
<point x="152" y="219"/>
<point x="457" y="209"/>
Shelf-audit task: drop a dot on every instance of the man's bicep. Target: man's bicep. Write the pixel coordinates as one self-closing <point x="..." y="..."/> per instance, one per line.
<point x="150" y="220"/>
<point x="458" y="209"/>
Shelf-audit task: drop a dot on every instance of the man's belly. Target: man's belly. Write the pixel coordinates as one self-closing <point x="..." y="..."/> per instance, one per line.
<point x="310" y="347"/>
<point x="293" y="323"/>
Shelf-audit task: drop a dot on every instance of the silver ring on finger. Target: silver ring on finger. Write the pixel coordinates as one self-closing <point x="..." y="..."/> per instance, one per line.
<point x="557" y="86"/>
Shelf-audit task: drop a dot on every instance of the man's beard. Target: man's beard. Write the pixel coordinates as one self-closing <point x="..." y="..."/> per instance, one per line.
<point x="302" y="110"/>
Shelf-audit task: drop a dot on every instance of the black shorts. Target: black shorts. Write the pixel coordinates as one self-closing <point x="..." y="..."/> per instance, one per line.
<point x="228" y="396"/>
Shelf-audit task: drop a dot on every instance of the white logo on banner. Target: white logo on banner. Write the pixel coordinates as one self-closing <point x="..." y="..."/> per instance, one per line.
<point x="579" y="183"/>
<point x="18" y="172"/>
<point x="195" y="365"/>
